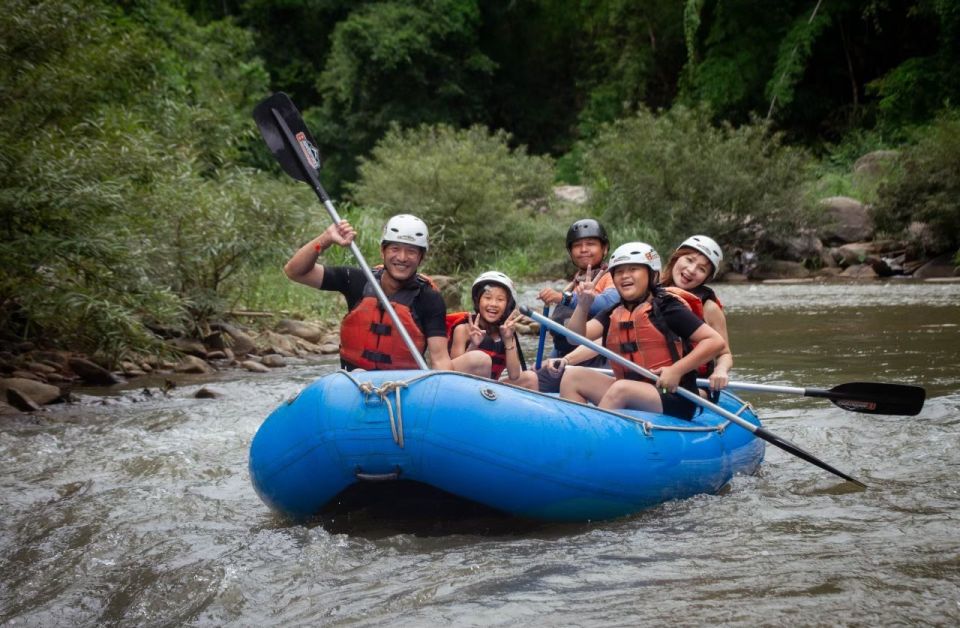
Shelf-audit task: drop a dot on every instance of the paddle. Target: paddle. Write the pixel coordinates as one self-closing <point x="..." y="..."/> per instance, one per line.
<point x="693" y="397"/>
<point x="871" y="398"/>
<point x="543" y="339"/>
<point x="292" y="144"/>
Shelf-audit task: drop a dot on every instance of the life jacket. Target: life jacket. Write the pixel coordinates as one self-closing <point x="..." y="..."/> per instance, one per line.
<point x="367" y="337"/>
<point x="641" y="337"/>
<point x="496" y="349"/>
<point x="695" y="299"/>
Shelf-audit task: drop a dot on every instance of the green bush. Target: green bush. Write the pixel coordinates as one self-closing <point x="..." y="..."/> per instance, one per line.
<point x="667" y="176"/>
<point x="925" y="186"/>
<point x="477" y="196"/>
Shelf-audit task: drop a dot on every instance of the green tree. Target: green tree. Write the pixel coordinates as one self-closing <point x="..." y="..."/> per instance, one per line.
<point x="477" y="196"/>
<point x="406" y="62"/>
<point x="665" y="177"/>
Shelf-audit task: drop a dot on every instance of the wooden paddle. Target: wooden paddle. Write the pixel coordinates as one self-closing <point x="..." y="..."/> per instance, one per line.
<point x="868" y="397"/>
<point x="693" y="397"/>
<point x="292" y="144"/>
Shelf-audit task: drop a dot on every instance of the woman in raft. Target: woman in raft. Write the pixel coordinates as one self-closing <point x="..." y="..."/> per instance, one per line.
<point x="490" y="330"/>
<point x="650" y="327"/>
<point x="695" y="262"/>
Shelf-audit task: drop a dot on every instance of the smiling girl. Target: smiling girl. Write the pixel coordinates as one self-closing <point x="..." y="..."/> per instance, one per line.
<point x="649" y="327"/>
<point x="695" y="262"/>
<point x="490" y="330"/>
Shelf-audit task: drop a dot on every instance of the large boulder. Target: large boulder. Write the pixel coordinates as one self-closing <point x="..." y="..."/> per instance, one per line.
<point x="780" y="269"/>
<point x="240" y="342"/>
<point x="859" y="272"/>
<point x="874" y="164"/>
<point x="189" y="346"/>
<point x="92" y="374"/>
<point x="943" y="266"/>
<point x="36" y="391"/>
<point x="311" y="332"/>
<point x="192" y="364"/>
<point x="846" y="220"/>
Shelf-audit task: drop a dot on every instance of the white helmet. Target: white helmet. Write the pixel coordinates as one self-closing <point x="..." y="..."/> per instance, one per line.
<point x="498" y="278"/>
<point x="405" y="229"/>
<point x="635" y="253"/>
<point x="707" y="246"/>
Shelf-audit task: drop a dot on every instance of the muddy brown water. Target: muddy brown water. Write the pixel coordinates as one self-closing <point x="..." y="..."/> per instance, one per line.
<point x="134" y="510"/>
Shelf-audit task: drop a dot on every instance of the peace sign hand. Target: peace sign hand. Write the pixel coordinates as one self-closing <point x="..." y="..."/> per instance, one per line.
<point x="508" y="329"/>
<point x="475" y="331"/>
<point x="586" y="288"/>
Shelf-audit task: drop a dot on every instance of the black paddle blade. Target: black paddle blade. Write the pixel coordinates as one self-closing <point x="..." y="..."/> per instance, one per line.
<point x="873" y="398"/>
<point x="265" y="114"/>
<point x="787" y="446"/>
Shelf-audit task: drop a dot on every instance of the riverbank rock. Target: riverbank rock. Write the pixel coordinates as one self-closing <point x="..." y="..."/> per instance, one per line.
<point x="188" y="346"/>
<point x="272" y="342"/>
<point x="846" y="219"/>
<point x="239" y="341"/>
<point x="874" y="164"/>
<point x="192" y="364"/>
<point x="208" y="393"/>
<point x="39" y="392"/>
<point x="254" y="367"/>
<point x="859" y="271"/>
<point x="273" y="360"/>
<point x="310" y="332"/>
<point x="780" y="269"/>
<point x="942" y="266"/>
<point x="92" y="374"/>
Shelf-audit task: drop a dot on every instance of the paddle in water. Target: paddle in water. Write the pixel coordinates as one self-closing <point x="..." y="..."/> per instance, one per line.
<point x="757" y="431"/>
<point x="868" y="397"/>
<point x="292" y="144"/>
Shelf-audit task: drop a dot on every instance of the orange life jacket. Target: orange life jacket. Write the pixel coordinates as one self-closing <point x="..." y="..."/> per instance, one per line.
<point x="634" y="336"/>
<point x="496" y="349"/>
<point x="367" y="337"/>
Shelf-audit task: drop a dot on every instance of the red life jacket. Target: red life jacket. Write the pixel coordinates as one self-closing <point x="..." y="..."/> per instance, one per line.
<point x="634" y="336"/>
<point x="496" y="349"/>
<point x="367" y="338"/>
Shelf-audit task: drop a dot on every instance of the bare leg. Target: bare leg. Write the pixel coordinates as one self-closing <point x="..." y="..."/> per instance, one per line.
<point x="527" y="379"/>
<point x="631" y="394"/>
<point x="473" y="362"/>
<point x="584" y="384"/>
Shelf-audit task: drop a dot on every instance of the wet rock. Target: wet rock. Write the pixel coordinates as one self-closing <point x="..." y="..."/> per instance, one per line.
<point x="847" y="220"/>
<point x="208" y="393"/>
<point x="39" y="392"/>
<point x="329" y="347"/>
<point x="274" y="360"/>
<point x="7" y="409"/>
<point x="192" y="364"/>
<point x="214" y="341"/>
<point x="217" y="355"/>
<point x="942" y="266"/>
<point x="92" y="374"/>
<point x="780" y="269"/>
<point x="311" y="332"/>
<point x="239" y="341"/>
<point x="188" y="346"/>
<point x="859" y="272"/>
<point x="21" y="401"/>
<point x="254" y="367"/>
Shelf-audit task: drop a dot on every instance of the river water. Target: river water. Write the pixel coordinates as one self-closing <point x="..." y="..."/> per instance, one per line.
<point x="131" y="509"/>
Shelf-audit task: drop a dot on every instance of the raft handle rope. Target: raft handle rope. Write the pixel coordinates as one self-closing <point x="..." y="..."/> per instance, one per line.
<point x="396" y="427"/>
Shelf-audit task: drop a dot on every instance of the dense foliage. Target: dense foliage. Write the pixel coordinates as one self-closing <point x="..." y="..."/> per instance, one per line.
<point x="664" y="177"/>
<point x="135" y="194"/>
<point x="125" y="203"/>
<point x="476" y="194"/>
<point x="925" y="188"/>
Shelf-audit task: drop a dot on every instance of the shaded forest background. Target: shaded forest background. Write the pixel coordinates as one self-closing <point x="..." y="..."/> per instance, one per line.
<point x="137" y="200"/>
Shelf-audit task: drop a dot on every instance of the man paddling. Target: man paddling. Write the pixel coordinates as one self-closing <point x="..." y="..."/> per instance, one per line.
<point x="367" y="337"/>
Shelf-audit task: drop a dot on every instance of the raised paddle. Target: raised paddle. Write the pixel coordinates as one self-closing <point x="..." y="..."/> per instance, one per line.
<point x="759" y="432"/>
<point x="290" y="142"/>
<point x="872" y="398"/>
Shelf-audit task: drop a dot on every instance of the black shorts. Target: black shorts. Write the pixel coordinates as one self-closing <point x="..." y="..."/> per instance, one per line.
<point x="547" y="381"/>
<point x="675" y="405"/>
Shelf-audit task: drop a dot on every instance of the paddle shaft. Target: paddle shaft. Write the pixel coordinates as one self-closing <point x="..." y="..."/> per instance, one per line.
<point x="314" y="182"/>
<point x="693" y="397"/>
<point x="543" y="339"/>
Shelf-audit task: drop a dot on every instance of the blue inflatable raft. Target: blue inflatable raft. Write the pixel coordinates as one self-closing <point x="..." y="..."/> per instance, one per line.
<point x="517" y="451"/>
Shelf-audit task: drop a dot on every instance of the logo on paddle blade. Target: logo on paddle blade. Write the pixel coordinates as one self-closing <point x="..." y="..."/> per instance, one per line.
<point x="309" y="151"/>
<point x="854" y="404"/>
